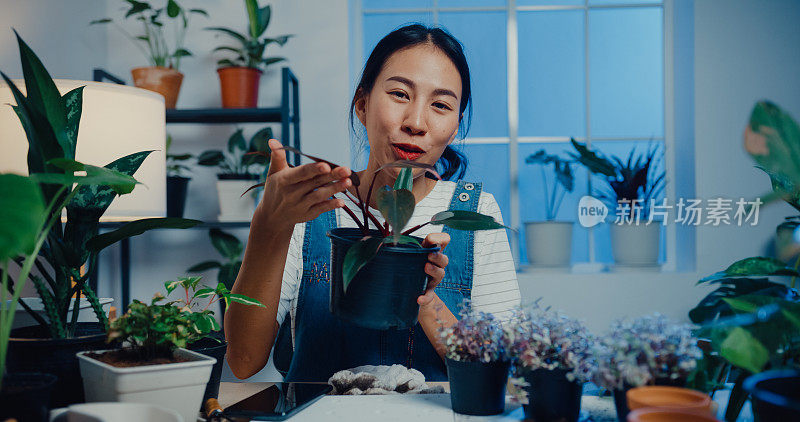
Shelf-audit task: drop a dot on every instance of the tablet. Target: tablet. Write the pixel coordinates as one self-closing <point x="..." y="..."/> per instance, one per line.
<point x="277" y="403"/>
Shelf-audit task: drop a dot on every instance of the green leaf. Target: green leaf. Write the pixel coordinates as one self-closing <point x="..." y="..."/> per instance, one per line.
<point x="234" y="297"/>
<point x="773" y="140"/>
<point x="226" y="63"/>
<point x="396" y="206"/>
<point x="236" y="141"/>
<point x="136" y="7"/>
<point x="252" y="18"/>
<point x="264" y="15"/>
<point x="358" y="255"/>
<point x="199" y="12"/>
<point x="593" y="162"/>
<point x="204" y="266"/>
<point x="181" y="52"/>
<point x="272" y="60"/>
<point x="407" y="163"/>
<point x="793" y="316"/>
<point x="713" y="305"/>
<point x="466" y="220"/>
<point x="405" y="180"/>
<point x="228" y="272"/>
<point x="73" y="104"/>
<point x="170" y="286"/>
<point x="204" y="292"/>
<point x="753" y="266"/>
<point x="230" y="32"/>
<point x="228" y="48"/>
<point x="741" y="349"/>
<point x="21" y="215"/>
<point x="210" y="158"/>
<point x="100" y="21"/>
<point x="137" y="227"/>
<point x="401" y="240"/>
<point x="226" y="244"/>
<point x="100" y="197"/>
<point x="173" y="10"/>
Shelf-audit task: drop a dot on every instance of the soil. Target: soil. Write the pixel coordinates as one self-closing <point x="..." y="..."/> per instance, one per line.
<point x="127" y="359"/>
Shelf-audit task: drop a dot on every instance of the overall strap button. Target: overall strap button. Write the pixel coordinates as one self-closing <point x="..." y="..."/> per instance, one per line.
<point x="469" y="186"/>
<point x="463" y="197"/>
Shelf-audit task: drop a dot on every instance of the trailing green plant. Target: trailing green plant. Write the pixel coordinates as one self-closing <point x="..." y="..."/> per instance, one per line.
<point x="230" y="248"/>
<point x="634" y="179"/>
<point x="175" y="166"/>
<point x="243" y="160"/>
<point x="564" y="181"/>
<point x="396" y="204"/>
<point x="152" y="41"/>
<point x="69" y="251"/>
<point x="156" y="330"/>
<point x="253" y="45"/>
<point x="752" y="320"/>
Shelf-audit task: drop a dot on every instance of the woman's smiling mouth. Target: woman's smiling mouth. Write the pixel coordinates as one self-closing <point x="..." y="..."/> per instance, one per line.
<point x="407" y="151"/>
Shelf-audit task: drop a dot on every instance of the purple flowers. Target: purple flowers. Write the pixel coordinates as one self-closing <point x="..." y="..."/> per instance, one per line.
<point x="476" y="337"/>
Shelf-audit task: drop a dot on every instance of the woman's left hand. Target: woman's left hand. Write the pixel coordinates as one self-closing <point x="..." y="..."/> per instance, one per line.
<point x="437" y="261"/>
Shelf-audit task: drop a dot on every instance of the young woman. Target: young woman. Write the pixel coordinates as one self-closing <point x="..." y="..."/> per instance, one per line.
<point x="411" y="99"/>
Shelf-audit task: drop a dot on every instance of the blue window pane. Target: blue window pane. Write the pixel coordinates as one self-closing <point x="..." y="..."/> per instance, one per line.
<point x="488" y="164"/>
<point x="532" y="197"/>
<point x="486" y="54"/>
<point x="376" y="26"/>
<point x="626" y="62"/>
<point x="395" y="4"/>
<point x="603" y="2"/>
<point x="552" y="85"/>
<point x="622" y="150"/>
<point x="471" y="3"/>
<point x="550" y="2"/>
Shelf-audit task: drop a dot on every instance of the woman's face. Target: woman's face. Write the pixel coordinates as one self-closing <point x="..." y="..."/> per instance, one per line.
<point x="412" y="112"/>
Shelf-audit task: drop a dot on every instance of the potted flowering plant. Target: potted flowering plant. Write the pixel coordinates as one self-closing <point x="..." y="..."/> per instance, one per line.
<point x="177" y="181"/>
<point x="552" y="353"/>
<point x="239" y="76"/>
<point x="154" y="366"/>
<point x="162" y="74"/>
<point x="549" y="242"/>
<point x="650" y="350"/>
<point x="477" y="362"/>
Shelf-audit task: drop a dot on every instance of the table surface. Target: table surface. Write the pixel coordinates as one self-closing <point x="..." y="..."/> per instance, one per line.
<point x="402" y="407"/>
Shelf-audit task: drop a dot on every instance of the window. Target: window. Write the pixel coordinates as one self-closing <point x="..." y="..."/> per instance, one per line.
<point x="544" y="71"/>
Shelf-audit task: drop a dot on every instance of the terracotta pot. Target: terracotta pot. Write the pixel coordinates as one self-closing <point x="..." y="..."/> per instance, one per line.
<point x="239" y="86"/>
<point x="669" y="398"/>
<point x="666" y="415"/>
<point x="163" y="80"/>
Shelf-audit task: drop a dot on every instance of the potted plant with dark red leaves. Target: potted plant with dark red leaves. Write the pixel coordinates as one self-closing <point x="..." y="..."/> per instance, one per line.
<point x="477" y="362"/>
<point x="163" y="54"/>
<point x="238" y="168"/>
<point x="650" y="350"/>
<point x="240" y="74"/>
<point x="154" y="366"/>
<point x="552" y="353"/>
<point x="177" y="181"/>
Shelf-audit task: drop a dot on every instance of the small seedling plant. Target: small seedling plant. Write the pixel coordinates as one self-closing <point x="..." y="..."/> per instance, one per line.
<point x="154" y="331"/>
<point x="396" y="204"/>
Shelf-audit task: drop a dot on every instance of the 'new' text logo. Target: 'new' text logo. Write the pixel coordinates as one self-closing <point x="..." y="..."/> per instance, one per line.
<point x="591" y="211"/>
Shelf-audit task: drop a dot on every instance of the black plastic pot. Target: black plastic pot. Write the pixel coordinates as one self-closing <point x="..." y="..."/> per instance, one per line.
<point x="177" y="187"/>
<point x="477" y="388"/>
<point x="215" y="349"/>
<point x="621" y="396"/>
<point x="384" y="293"/>
<point x="552" y="397"/>
<point x="26" y="396"/>
<point x="31" y="349"/>
<point x="775" y="395"/>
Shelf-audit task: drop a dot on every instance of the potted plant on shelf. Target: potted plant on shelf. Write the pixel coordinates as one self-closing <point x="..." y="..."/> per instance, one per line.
<point x="153" y="366"/>
<point x="632" y="187"/>
<point x="552" y="353"/>
<point x="477" y="362"/>
<point x="68" y="255"/>
<point x="650" y="350"/>
<point x="238" y="168"/>
<point x="231" y="249"/>
<point x="549" y="242"/>
<point x="385" y="264"/>
<point x="163" y="74"/>
<point x="239" y="76"/>
<point x="177" y="181"/>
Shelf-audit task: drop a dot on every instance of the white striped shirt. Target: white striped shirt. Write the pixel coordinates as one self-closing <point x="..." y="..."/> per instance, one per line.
<point x="494" y="282"/>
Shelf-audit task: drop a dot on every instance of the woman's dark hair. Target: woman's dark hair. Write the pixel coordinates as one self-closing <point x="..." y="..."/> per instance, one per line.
<point x="452" y="164"/>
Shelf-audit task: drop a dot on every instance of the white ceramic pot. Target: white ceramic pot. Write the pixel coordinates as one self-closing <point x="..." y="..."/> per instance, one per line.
<point x="114" y="412"/>
<point x="232" y="205"/>
<point x="176" y="386"/>
<point x="549" y="243"/>
<point x="636" y="245"/>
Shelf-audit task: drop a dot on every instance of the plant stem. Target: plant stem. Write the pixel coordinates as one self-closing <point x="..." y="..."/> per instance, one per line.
<point x="353" y="216"/>
<point x="415" y="228"/>
<point x="545" y="193"/>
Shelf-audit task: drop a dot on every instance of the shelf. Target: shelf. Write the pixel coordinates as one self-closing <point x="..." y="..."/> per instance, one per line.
<point x="225" y="115"/>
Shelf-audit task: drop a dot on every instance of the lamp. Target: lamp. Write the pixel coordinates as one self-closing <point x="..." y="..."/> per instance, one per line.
<point x="116" y="121"/>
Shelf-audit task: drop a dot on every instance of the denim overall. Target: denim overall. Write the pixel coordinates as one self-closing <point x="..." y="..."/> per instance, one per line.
<point x="324" y="345"/>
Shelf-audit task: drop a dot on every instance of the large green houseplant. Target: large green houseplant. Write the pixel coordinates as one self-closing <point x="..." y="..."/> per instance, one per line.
<point x="753" y="317"/>
<point x="70" y="249"/>
<point x="240" y="74"/>
<point x="164" y="57"/>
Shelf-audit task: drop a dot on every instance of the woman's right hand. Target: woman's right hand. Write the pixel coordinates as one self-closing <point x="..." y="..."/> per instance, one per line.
<point x="298" y="194"/>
